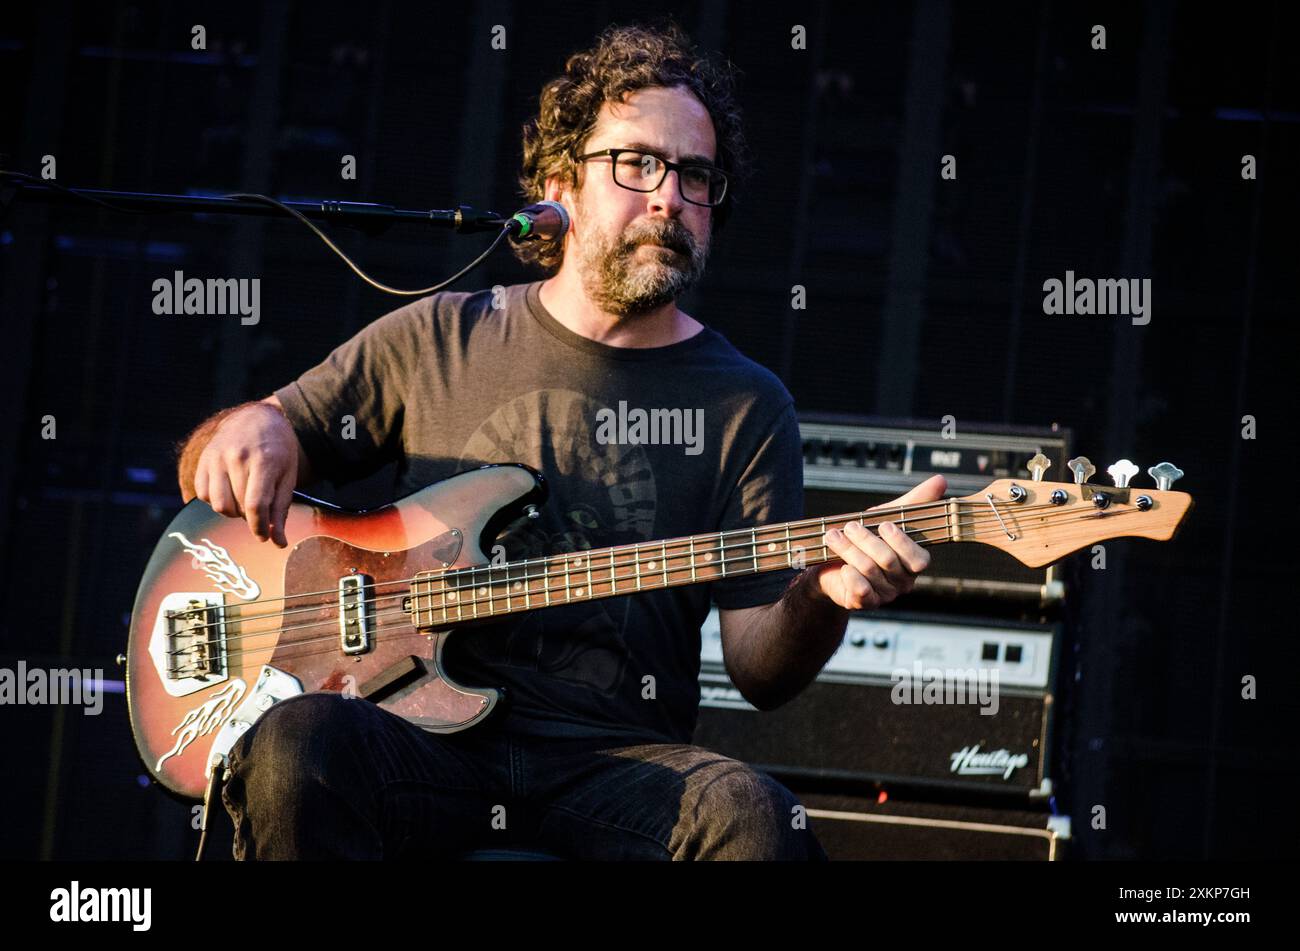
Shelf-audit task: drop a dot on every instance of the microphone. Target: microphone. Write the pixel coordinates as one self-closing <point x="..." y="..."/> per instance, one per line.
<point x="544" y="221"/>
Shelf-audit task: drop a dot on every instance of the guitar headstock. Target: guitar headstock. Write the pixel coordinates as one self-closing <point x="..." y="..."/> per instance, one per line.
<point x="1041" y="522"/>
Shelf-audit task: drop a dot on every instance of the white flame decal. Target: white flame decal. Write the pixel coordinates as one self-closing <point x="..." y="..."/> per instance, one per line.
<point x="204" y="719"/>
<point x="220" y="568"/>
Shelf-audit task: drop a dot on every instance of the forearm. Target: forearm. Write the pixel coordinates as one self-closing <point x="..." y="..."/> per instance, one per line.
<point x="788" y="643"/>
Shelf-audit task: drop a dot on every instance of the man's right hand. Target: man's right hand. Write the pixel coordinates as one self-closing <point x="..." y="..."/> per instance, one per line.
<point x="250" y="467"/>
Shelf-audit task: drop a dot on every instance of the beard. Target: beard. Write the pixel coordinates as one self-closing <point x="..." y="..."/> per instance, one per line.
<point x="624" y="280"/>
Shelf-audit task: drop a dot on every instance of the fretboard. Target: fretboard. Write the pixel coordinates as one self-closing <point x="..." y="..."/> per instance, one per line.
<point x="458" y="595"/>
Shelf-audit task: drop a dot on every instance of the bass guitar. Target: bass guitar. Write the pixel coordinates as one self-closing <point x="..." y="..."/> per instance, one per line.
<point x="225" y="626"/>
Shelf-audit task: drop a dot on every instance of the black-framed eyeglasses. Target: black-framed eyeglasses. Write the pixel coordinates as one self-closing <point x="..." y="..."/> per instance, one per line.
<point x="641" y="171"/>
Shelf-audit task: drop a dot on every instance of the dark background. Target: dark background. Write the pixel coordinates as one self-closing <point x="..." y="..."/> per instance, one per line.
<point x="924" y="299"/>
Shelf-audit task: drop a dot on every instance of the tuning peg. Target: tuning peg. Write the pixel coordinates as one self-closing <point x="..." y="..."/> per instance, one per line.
<point x="1082" y="468"/>
<point x="1165" y="474"/>
<point x="1121" y="472"/>
<point x="1038" y="465"/>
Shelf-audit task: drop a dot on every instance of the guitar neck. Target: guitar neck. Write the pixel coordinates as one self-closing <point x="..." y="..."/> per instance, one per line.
<point x="466" y="594"/>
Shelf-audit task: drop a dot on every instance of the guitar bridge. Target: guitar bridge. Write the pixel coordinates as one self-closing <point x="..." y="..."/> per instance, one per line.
<point x="188" y="646"/>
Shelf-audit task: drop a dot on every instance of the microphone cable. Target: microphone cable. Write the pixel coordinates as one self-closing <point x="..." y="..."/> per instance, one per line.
<point x="504" y="222"/>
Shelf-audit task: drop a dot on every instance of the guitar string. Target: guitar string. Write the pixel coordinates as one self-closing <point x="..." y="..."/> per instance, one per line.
<point x="404" y="631"/>
<point x="490" y="599"/>
<point x="448" y="621"/>
<point x="649" y="547"/>
<point x="846" y="517"/>
<point x="556" y="562"/>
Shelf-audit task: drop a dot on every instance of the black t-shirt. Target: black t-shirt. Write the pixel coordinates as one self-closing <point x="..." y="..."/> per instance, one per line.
<point x="451" y="382"/>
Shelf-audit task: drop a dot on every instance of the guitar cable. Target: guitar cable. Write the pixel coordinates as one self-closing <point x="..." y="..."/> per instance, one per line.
<point x="220" y="772"/>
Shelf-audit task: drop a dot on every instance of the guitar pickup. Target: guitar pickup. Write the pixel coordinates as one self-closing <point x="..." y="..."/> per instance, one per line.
<point x="356" y="613"/>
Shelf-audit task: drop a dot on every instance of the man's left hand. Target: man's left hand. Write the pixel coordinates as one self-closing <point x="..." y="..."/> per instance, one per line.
<point x="871" y="570"/>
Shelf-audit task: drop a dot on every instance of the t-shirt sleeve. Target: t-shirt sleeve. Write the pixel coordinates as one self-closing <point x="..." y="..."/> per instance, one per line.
<point x="769" y="491"/>
<point x="348" y="410"/>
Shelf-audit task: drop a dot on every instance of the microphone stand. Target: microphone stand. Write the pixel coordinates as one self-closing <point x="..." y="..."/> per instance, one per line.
<point x="368" y="217"/>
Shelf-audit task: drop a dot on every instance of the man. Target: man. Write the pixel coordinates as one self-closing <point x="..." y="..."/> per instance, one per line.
<point x="640" y="141"/>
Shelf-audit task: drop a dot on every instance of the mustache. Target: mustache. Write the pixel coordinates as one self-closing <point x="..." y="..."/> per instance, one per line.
<point x="671" y="235"/>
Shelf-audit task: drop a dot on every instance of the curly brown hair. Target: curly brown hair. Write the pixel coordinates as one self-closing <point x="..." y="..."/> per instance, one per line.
<point x="623" y="60"/>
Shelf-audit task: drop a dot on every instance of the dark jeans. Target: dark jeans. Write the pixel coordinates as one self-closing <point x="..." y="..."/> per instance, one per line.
<point x="323" y="776"/>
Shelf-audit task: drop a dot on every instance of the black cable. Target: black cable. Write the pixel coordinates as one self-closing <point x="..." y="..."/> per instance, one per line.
<point x="214" y="786"/>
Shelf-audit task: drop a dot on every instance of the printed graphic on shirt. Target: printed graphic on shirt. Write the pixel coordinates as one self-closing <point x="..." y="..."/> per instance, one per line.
<point x="555" y="431"/>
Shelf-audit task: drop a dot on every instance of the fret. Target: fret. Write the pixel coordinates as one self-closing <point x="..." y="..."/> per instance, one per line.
<point x="527" y="585"/>
<point x="508" y="567"/>
<point x="789" y="552"/>
<point x="590" y="593"/>
<point x="663" y="550"/>
<point x="636" y="559"/>
<point x="568" y="582"/>
<point x="613" y="574"/>
<point x="753" y="547"/>
<point x="722" y="552"/>
<point x="823" y="545"/>
<point x="546" y="578"/>
<point x="692" y="555"/>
